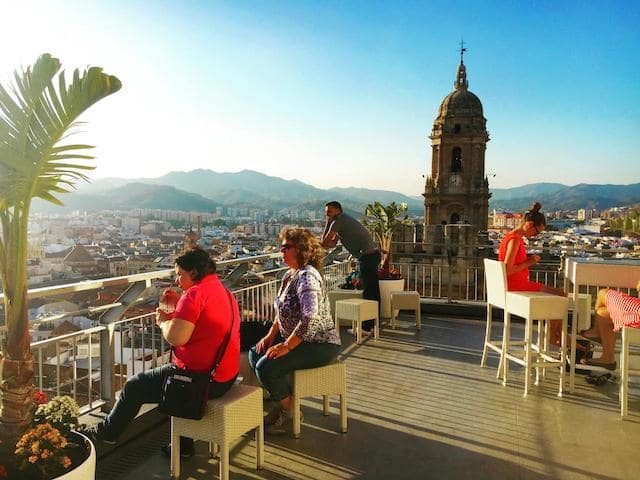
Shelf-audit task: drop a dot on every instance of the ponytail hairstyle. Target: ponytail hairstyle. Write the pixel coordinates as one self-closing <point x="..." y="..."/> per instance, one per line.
<point x="534" y="215"/>
<point x="197" y="262"/>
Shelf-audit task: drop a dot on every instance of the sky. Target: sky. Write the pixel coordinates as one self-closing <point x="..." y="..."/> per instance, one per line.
<point x="344" y="93"/>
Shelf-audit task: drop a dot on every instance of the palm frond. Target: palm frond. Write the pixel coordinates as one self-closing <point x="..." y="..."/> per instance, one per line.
<point x="36" y="114"/>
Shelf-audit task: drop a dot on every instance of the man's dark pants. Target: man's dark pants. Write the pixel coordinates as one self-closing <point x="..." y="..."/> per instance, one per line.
<point x="368" y="266"/>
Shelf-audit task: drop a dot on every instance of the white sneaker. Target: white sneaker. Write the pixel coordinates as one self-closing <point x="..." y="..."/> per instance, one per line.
<point x="365" y="333"/>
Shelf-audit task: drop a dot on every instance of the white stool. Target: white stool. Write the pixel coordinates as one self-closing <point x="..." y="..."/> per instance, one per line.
<point x="405" y="301"/>
<point x="532" y="306"/>
<point x="630" y="336"/>
<point x="327" y="380"/>
<point x="357" y="310"/>
<point x="541" y="307"/>
<point x="341" y="294"/>
<point x="225" y="420"/>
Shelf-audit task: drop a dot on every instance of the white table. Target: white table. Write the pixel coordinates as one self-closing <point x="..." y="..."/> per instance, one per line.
<point x="601" y="273"/>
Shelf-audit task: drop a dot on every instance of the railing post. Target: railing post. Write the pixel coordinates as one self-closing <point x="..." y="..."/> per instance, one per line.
<point x="107" y="365"/>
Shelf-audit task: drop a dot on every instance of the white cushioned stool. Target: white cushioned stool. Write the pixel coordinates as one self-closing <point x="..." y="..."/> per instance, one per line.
<point x="357" y="310"/>
<point x="225" y="420"/>
<point x="341" y="294"/>
<point x="405" y="301"/>
<point x="327" y="380"/>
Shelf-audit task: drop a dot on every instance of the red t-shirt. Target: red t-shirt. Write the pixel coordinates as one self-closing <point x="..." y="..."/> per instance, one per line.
<point x="206" y="304"/>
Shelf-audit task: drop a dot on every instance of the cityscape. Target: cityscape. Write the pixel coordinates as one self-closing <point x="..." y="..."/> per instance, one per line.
<point x="230" y="124"/>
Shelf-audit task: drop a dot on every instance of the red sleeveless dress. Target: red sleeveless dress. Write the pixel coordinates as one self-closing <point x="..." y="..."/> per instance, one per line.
<point x="519" y="281"/>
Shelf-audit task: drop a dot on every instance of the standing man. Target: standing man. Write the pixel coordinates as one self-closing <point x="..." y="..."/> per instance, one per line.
<point x="358" y="241"/>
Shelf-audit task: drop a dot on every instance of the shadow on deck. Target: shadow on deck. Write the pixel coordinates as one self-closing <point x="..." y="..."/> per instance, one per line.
<point x="421" y="407"/>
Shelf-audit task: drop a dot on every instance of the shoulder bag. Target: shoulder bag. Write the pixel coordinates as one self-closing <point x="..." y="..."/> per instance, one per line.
<point x="185" y="393"/>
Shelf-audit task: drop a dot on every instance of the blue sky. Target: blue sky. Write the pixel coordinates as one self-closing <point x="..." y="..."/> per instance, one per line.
<point x="345" y="93"/>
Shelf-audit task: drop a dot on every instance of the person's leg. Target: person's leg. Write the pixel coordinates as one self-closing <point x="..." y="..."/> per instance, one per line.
<point x="607" y="337"/>
<point x="368" y="265"/>
<point x="555" y="326"/>
<point x="273" y="372"/>
<point x="600" y="309"/>
<point x="144" y="388"/>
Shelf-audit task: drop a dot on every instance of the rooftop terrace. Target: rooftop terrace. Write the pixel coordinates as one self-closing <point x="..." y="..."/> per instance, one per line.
<point x="420" y="406"/>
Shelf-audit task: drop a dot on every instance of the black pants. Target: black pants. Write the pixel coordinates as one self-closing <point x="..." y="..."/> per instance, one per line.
<point x="368" y="266"/>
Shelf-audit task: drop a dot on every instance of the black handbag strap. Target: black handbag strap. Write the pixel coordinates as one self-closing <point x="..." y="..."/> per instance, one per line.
<point x="223" y="348"/>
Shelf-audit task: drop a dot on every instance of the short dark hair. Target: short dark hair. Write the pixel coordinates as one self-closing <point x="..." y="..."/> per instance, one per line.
<point x="197" y="262"/>
<point x="334" y="204"/>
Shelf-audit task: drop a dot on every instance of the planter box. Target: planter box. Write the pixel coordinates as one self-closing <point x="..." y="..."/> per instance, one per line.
<point x="386" y="287"/>
<point x="87" y="469"/>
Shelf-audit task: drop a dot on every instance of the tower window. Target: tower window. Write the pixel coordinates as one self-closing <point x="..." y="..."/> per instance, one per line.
<point x="456" y="128"/>
<point x="456" y="160"/>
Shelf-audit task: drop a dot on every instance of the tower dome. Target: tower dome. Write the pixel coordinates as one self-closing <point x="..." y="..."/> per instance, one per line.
<point x="460" y="102"/>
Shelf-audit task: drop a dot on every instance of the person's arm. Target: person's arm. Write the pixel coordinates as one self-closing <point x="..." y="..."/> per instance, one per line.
<point x="265" y="342"/>
<point x="175" y="331"/>
<point x="329" y="237"/>
<point x="510" y="258"/>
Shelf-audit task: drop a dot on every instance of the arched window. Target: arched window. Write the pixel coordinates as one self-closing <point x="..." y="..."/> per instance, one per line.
<point x="456" y="160"/>
<point x="455" y="217"/>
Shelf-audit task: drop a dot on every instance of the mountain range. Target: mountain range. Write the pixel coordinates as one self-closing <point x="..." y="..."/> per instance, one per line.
<point x="204" y="190"/>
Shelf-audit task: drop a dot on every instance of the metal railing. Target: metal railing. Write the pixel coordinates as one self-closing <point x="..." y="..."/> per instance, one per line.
<point x="91" y="365"/>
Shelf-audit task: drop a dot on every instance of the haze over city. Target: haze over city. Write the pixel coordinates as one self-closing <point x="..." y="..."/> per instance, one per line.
<point x="345" y="93"/>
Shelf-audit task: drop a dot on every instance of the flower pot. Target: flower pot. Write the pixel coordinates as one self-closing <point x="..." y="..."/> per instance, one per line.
<point x="86" y="470"/>
<point x="386" y="287"/>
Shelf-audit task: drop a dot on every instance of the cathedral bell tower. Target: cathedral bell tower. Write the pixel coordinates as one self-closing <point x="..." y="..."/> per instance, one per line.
<point x="457" y="190"/>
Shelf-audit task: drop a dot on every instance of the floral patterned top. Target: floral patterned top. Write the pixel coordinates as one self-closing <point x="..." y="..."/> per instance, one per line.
<point x="302" y="307"/>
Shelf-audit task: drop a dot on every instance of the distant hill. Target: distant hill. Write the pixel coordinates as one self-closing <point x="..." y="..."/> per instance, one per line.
<point x="203" y="190"/>
<point x="130" y="196"/>
<point x="248" y="188"/>
<point x="554" y="196"/>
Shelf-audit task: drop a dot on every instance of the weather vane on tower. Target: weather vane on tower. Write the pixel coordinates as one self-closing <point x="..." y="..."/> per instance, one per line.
<point x="462" y="50"/>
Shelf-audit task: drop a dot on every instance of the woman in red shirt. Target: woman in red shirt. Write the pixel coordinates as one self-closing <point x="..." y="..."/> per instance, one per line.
<point x="196" y="329"/>
<point x="513" y="253"/>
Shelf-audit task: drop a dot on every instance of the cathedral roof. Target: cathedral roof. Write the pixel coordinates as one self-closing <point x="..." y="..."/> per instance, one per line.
<point x="461" y="102"/>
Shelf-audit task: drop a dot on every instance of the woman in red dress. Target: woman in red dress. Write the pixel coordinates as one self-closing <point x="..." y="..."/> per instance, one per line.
<point x="613" y="311"/>
<point x="513" y="253"/>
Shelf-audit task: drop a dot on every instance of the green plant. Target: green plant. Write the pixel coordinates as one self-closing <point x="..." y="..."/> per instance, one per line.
<point x="37" y="114"/>
<point x="60" y="412"/>
<point x="384" y="221"/>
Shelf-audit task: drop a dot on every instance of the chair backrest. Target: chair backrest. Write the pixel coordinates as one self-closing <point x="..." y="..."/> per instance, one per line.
<point x="495" y="277"/>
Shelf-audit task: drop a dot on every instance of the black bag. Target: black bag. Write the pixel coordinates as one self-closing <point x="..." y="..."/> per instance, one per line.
<point x="185" y="393"/>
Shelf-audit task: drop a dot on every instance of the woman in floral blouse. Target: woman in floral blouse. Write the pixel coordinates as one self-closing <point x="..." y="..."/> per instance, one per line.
<point x="303" y="334"/>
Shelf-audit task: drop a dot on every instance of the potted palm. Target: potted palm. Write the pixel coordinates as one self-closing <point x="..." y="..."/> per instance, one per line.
<point x="384" y="221"/>
<point x="37" y="113"/>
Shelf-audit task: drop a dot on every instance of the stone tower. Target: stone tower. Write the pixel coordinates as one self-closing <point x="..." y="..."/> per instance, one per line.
<point x="457" y="190"/>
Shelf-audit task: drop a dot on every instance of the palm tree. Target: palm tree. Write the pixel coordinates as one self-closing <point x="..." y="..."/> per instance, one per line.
<point x="37" y="113"/>
<point x="384" y="221"/>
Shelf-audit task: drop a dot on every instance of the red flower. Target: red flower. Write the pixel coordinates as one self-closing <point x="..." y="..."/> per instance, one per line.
<point x="3" y="471"/>
<point x="39" y="398"/>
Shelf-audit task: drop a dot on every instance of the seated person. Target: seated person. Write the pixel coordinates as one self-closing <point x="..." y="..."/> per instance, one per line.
<point x="303" y="334"/>
<point x="513" y="254"/>
<point x="613" y="311"/>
